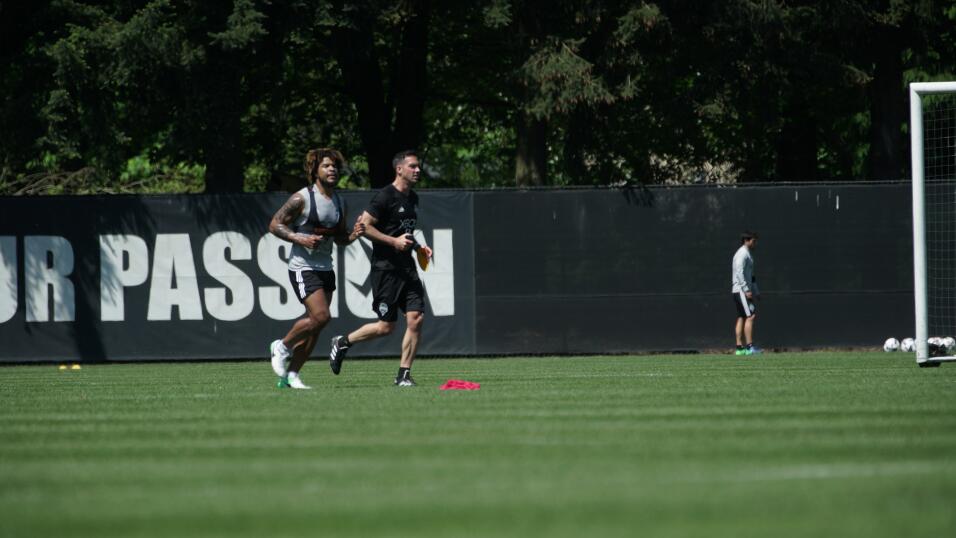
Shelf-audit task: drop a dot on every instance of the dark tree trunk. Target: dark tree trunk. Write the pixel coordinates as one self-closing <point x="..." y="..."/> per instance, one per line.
<point x="797" y="143"/>
<point x="278" y="22"/>
<point x="532" y="153"/>
<point x="356" y="56"/>
<point x="581" y="120"/>
<point x="360" y="64"/>
<point x="575" y="140"/>
<point x="411" y="81"/>
<point x="888" y="104"/>
<point x="221" y="137"/>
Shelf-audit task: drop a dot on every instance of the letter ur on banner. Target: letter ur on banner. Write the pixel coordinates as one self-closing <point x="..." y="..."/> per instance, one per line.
<point x="48" y="264"/>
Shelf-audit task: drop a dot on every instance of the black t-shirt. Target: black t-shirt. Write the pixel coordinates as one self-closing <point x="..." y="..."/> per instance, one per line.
<point x="397" y="214"/>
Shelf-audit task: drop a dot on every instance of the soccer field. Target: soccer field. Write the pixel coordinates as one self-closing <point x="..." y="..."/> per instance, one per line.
<point x="814" y="444"/>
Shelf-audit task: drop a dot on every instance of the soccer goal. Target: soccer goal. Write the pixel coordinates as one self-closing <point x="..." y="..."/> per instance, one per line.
<point x="933" y="156"/>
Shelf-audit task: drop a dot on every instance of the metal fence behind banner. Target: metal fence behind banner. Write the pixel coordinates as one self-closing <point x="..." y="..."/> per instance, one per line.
<point x="537" y="271"/>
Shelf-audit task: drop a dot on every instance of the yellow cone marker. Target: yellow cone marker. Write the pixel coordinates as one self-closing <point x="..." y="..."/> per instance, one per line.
<point x="422" y="258"/>
<point x="75" y="367"/>
<point x="62" y="367"/>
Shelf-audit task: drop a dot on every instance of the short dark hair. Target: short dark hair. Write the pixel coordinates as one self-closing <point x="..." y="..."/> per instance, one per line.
<point x="747" y="236"/>
<point x="400" y="157"/>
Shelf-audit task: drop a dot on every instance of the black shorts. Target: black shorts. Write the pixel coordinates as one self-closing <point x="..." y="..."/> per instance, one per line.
<point x="394" y="290"/>
<point x="306" y="282"/>
<point x="745" y="307"/>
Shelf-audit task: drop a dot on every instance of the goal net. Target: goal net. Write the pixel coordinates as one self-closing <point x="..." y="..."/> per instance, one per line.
<point x="933" y="150"/>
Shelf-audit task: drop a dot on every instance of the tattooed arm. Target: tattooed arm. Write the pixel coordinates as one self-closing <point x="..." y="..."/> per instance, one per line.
<point x="283" y="219"/>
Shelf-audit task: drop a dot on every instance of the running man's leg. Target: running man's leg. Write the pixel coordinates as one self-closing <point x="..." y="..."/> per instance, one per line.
<point x="386" y="288"/>
<point x="305" y="332"/>
<point x="413" y="333"/>
<point x="342" y="344"/>
<point x="371" y="331"/>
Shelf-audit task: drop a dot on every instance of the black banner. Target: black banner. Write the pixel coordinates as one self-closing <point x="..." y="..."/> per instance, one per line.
<point x="195" y="277"/>
<point x="607" y="271"/>
<point x="549" y="271"/>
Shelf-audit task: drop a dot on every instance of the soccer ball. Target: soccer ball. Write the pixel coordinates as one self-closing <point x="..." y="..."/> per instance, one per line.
<point x="908" y="345"/>
<point x="949" y="342"/>
<point x="891" y="344"/>
<point x="935" y="341"/>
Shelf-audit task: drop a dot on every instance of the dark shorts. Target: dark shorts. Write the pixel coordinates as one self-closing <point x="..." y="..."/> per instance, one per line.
<point x="305" y="282"/>
<point x="745" y="308"/>
<point x="394" y="290"/>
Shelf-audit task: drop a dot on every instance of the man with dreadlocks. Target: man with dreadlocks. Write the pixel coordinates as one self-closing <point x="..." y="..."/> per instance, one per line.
<point x="312" y="219"/>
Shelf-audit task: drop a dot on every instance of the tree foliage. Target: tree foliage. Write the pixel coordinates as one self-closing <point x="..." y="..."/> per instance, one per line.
<point x="188" y="96"/>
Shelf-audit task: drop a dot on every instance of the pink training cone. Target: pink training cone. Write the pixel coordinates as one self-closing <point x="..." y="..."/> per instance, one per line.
<point x="458" y="384"/>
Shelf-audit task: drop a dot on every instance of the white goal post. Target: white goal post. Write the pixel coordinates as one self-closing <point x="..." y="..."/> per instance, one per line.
<point x="927" y="355"/>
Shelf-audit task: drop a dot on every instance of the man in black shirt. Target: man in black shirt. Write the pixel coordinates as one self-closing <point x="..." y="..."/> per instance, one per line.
<point x="390" y="221"/>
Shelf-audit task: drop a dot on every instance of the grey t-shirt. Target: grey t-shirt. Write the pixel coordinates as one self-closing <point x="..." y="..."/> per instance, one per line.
<point x="742" y="275"/>
<point x="328" y="212"/>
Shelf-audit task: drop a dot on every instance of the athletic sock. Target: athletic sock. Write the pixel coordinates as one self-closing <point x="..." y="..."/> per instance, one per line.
<point x="740" y="346"/>
<point x="750" y="346"/>
<point x="344" y="341"/>
<point x="282" y="349"/>
<point x="403" y="372"/>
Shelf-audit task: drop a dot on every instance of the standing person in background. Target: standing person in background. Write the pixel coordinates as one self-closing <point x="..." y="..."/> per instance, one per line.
<point x="745" y="292"/>
<point x="312" y="219"/>
<point x="390" y="221"/>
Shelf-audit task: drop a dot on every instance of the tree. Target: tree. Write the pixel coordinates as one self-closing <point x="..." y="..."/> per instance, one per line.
<point x="575" y="62"/>
<point x="163" y="76"/>
<point x="389" y="106"/>
<point x="26" y="69"/>
<point x="515" y="92"/>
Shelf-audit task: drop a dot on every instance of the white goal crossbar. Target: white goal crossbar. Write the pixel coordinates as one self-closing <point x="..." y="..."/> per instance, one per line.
<point x="917" y="91"/>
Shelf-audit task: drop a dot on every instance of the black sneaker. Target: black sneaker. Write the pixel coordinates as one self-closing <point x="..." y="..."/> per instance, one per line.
<point x="337" y="354"/>
<point x="406" y="381"/>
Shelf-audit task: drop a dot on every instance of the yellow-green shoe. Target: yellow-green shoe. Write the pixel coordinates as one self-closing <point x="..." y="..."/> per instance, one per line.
<point x="283" y="383"/>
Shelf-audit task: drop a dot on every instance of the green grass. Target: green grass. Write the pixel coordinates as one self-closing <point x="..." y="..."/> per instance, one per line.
<point x="815" y="444"/>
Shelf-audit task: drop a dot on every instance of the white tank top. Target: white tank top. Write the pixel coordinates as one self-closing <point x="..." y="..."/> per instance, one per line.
<point x="317" y="211"/>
